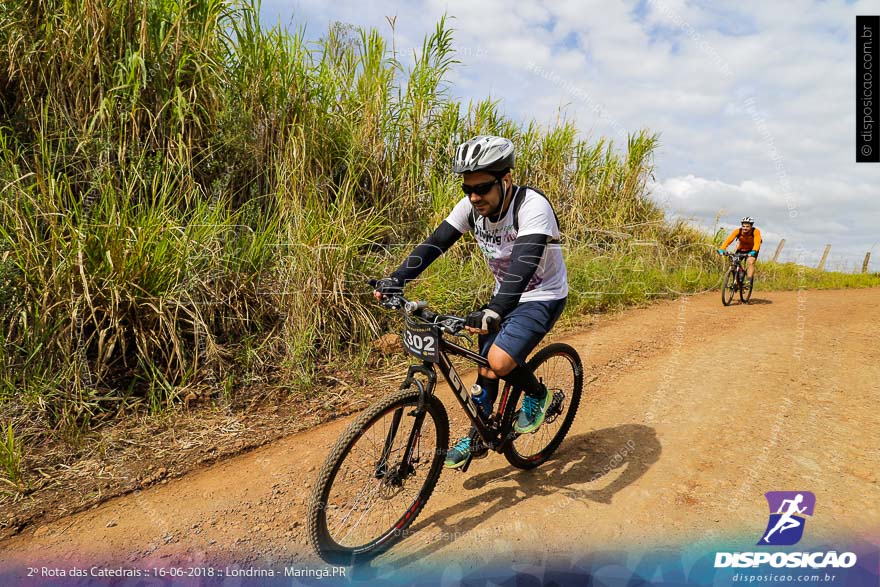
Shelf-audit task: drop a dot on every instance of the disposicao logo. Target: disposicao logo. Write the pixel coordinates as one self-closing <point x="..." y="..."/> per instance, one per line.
<point x="787" y="511"/>
<point x="785" y="528"/>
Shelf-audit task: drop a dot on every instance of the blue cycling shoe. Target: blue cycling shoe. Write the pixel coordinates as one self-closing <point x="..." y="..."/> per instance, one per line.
<point x="531" y="414"/>
<point x="469" y="446"/>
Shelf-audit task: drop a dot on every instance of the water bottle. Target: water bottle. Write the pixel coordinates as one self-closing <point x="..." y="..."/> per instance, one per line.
<point x="481" y="398"/>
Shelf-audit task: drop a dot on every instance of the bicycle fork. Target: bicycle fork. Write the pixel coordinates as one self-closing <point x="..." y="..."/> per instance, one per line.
<point x="405" y="467"/>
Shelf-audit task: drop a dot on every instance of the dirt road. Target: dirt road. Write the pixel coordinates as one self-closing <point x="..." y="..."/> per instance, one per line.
<point x="691" y="413"/>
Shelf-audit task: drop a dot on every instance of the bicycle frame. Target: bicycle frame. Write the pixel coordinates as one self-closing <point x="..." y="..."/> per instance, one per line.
<point x="736" y="265"/>
<point x="496" y="436"/>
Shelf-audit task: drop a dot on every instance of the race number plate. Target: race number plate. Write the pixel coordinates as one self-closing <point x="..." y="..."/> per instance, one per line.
<point x="422" y="341"/>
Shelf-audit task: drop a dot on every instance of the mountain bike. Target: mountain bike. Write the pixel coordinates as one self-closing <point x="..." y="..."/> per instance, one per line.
<point x="735" y="280"/>
<point x="383" y="468"/>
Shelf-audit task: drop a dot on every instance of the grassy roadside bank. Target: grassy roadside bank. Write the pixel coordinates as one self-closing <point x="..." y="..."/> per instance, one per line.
<point x="193" y="204"/>
<point x="789" y="276"/>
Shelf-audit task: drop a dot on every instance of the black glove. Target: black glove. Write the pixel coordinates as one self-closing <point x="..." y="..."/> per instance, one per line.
<point x="389" y="286"/>
<point x="485" y="319"/>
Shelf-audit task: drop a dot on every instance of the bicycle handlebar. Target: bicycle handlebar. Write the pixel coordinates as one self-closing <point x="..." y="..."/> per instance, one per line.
<point x="419" y="309"/>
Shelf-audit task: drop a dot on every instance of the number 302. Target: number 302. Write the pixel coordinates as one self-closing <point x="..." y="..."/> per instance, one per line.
<point x="418" y="343"/>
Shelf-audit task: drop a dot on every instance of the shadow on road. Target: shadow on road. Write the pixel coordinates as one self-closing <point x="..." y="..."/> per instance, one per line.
<point x="628" y="451"/>
<point x="758" y="302"/>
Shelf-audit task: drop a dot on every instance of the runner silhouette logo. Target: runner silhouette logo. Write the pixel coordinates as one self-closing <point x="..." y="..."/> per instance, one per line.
<point x="787" y="521"/>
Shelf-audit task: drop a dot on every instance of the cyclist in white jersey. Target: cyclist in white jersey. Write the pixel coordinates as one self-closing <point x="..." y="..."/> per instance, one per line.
<point x="518" y="233"/>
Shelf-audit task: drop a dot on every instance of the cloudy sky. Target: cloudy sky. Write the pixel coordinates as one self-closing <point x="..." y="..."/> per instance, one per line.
<point x="754" y="101"/>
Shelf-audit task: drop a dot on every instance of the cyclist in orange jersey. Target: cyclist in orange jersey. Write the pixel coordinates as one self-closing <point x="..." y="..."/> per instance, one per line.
<point x="748" y="241"/>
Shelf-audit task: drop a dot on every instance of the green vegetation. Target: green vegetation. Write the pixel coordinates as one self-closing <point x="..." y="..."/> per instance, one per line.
<point x="789" y="276"/>
<point x="10" y="457"/>
<point x="193" y="201"/>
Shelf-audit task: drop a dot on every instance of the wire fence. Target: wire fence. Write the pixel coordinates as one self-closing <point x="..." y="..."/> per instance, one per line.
<point x="824" y="259"/>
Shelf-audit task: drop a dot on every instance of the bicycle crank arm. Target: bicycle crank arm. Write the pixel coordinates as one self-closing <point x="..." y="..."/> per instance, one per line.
<point x="466" y="464"/>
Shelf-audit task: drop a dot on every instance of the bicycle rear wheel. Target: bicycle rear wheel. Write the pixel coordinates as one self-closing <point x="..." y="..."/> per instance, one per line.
<point x="363" y="503"/>
<point x="727" y="290"/>
<point x="557" y="366"/>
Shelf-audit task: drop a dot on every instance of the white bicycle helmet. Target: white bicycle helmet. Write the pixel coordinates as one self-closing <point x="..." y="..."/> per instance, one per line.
<point x="747" y="219"/>
<point x="484" y="153"/>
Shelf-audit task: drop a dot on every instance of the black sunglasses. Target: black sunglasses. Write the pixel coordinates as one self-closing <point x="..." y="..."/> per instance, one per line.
<point x="481" y="189"/>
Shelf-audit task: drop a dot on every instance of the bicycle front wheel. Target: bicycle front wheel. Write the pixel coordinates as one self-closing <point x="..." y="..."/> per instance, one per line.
<point x="557" y="366"/>
<point x="745" y="291"/>
<point x="365" y="498"/>
<point x="727" y="290"/>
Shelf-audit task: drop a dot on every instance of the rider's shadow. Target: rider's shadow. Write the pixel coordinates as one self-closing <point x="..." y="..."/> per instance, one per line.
<point x="621" y="454"/>
<point x="583" y="458"/>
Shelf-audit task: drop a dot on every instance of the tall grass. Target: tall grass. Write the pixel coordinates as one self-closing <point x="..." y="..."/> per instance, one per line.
<point x="10" y="456"/>
<point x="192" y="200"/>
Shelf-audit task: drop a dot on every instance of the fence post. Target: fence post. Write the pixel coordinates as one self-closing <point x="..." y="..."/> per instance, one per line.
<point x="865" y="262"/>
<point x="778" y="250"/>
<point x="824" y="258"/>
